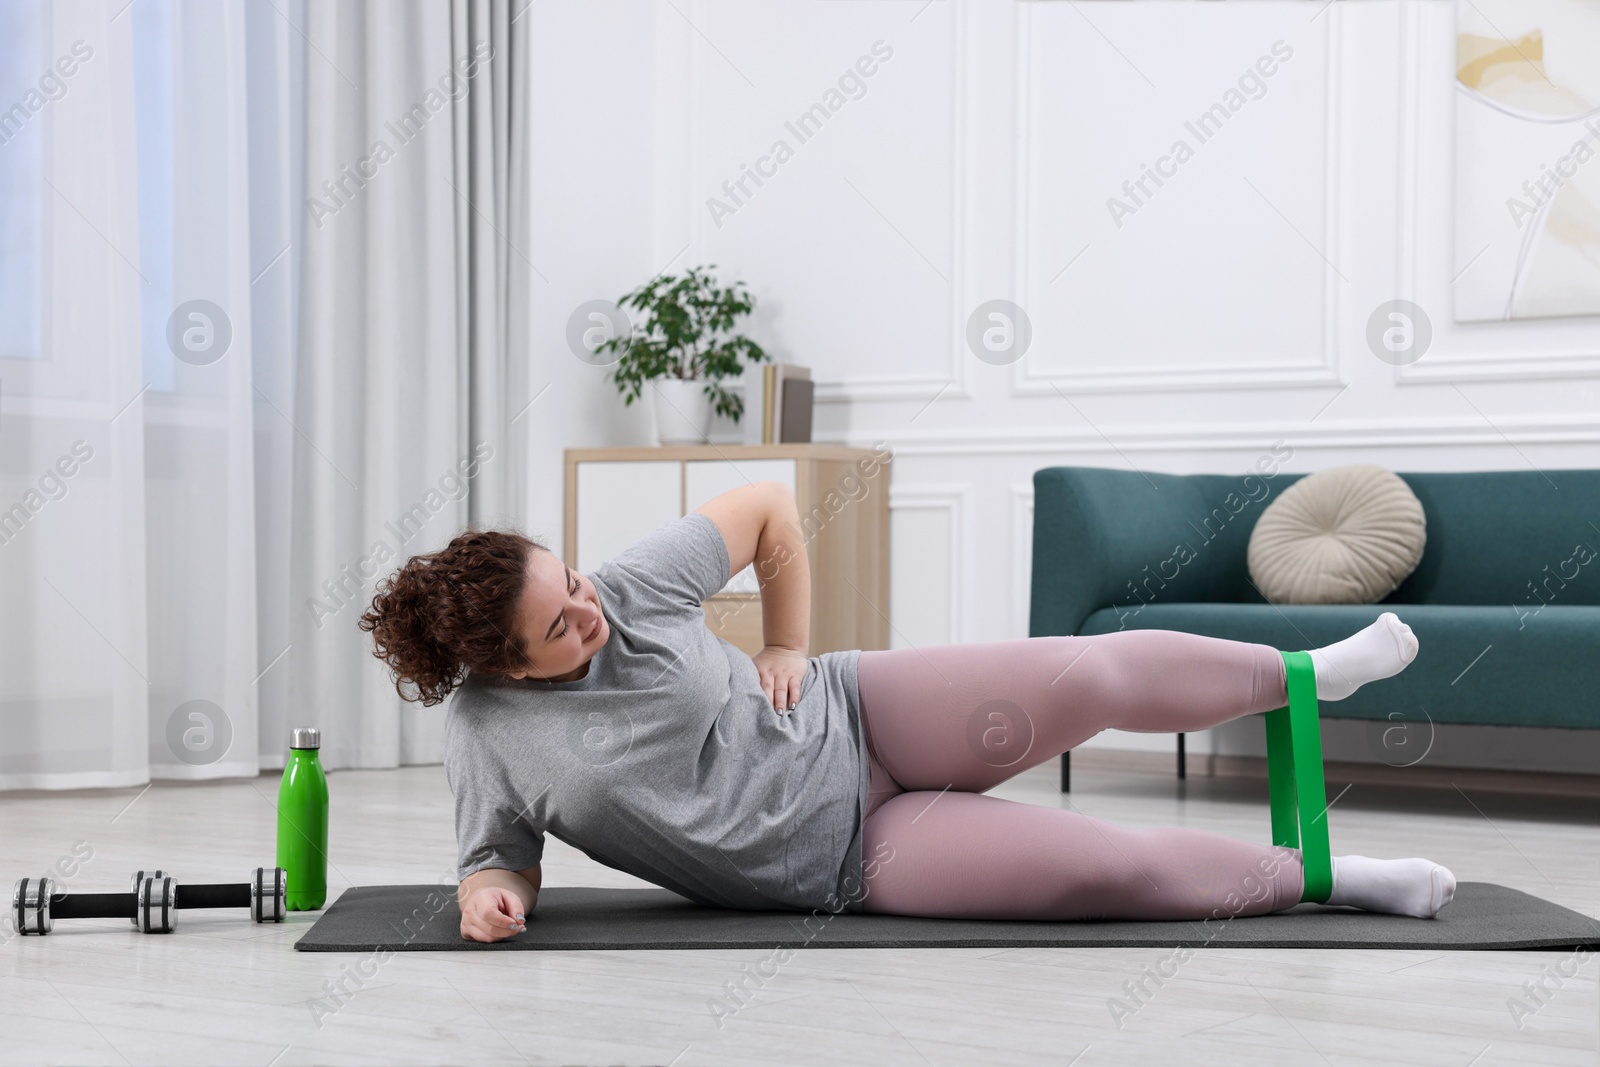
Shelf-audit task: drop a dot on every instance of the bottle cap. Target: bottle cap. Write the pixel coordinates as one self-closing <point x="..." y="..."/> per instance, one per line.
<point x="305" y="737"/>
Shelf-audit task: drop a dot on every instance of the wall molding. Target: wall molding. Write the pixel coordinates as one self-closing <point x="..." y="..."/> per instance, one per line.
<point x="1369" y="433"/>
<point x="1505" y="366"/>
<point x="1176" y="377"/>
<point x="1021" y="557"/>
<point x="853" y="388"/>
<point x="955" y="499"/>
<point x="1438" y="366"/>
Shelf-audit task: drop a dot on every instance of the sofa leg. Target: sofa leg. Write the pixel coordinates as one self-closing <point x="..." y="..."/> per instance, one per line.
<point x="1066" y="772"/>
<point x="1181" y="760"/>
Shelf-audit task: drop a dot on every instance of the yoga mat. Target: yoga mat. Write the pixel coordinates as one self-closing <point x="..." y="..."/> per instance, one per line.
<point x="424" y="918"/>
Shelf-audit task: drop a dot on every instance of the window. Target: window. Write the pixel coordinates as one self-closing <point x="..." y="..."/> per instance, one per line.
<point x="26" y="88"/>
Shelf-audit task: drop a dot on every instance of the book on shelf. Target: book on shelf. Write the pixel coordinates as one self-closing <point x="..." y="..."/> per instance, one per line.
<point x="786" y="399"/>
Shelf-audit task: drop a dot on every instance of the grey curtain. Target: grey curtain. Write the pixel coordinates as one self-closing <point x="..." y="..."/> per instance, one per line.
<point x="494" y="267"/>
<point x="411" y="371"/>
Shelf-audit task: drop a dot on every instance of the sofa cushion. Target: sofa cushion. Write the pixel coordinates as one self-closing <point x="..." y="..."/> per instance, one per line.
<point x="1491" y="665"/>
<point x="1346" y="535"/>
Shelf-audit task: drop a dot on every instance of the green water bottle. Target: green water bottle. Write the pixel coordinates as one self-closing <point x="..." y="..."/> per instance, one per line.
<point x="303" y="821"/>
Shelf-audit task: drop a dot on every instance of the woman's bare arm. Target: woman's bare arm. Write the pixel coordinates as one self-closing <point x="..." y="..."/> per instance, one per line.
<point x="524" y="884"/>
<point x="761" y="525"/>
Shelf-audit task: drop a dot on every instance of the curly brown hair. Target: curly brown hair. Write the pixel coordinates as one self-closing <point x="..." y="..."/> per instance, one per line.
<point x="444" y="612"/>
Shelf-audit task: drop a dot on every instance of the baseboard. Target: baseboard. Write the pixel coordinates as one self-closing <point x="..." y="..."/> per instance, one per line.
<point x="1477" y="778"/>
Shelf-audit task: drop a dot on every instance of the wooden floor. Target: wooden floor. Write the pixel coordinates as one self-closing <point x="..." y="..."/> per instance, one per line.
<point x="222" y="991"/>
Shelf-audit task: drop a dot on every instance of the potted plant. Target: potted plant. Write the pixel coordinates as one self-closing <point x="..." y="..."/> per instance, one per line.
<point x="684" y="345"/>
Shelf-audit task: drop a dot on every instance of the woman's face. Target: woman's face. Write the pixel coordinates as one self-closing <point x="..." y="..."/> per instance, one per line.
<point x="559" y="620"/>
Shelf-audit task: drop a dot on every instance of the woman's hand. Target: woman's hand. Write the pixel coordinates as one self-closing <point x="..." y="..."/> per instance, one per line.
<point x="782" y="672"/>
<point x="492" y="914"/>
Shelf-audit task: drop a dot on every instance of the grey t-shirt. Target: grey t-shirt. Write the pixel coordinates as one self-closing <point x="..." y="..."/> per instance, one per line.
<point x="666" y="760"/>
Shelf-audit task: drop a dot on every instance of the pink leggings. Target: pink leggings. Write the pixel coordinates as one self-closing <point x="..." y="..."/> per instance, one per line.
<point x="945" y="723"/>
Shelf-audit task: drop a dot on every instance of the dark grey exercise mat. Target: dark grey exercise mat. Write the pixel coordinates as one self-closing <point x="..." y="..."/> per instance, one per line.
<point x="410" y="917"/>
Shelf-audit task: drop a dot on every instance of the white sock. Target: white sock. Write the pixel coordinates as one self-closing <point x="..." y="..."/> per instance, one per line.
<point x="1378" y="651"/>
<point x="1415" y="887"/>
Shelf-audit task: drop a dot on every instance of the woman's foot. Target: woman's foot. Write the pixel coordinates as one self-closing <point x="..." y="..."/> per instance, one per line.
<point x="1415" y="887"/>
<point x="1382" y="650"/>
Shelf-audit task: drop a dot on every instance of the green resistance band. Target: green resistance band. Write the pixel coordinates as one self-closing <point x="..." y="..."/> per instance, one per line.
<point x="1294" y="777"/>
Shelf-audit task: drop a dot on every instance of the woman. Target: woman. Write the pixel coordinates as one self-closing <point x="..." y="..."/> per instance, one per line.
<point x="600" y="708"/>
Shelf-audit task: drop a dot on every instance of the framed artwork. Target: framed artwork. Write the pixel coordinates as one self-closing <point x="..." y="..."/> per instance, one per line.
<point x="1527" y="212"/>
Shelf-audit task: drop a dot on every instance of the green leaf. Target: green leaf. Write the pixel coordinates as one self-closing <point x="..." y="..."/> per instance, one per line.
<point x="685" y="331"/>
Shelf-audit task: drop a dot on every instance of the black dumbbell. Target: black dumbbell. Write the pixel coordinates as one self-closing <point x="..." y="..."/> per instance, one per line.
<point x="152" y="904"/>
<point x="133" y="887"/>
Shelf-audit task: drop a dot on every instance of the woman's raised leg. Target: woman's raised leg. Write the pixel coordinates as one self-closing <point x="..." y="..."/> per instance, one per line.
<point x="968" y="717"/>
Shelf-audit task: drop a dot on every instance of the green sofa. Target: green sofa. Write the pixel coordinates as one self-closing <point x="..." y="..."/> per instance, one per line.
<point x="1505" y="602"/>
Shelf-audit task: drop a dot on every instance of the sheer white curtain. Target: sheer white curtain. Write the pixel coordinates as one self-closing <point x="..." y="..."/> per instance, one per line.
<point x="129" y="540"/>
<point x="216" y="400"/>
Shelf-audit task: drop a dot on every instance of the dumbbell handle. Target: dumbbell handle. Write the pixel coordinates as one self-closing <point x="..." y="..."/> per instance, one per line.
<point x="121" y="905"/>
<point x="91" y="905"/>
<point x="213" y="895"/>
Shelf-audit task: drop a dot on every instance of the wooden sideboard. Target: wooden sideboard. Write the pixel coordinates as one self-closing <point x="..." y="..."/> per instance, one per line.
<point x="614" y="496"/>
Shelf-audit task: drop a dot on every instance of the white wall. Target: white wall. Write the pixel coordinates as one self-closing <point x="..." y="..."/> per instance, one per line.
<point x="1226" y="313"/>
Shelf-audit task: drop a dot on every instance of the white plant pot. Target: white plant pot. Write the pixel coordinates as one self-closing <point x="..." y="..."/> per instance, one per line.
<point x="683" y="411"/>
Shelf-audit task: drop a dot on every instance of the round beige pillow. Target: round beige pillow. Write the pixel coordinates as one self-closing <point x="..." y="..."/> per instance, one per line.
<point x="1346" y="535"/>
